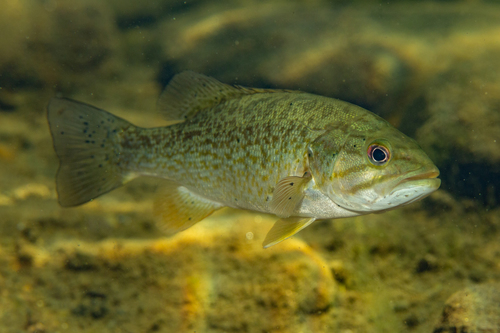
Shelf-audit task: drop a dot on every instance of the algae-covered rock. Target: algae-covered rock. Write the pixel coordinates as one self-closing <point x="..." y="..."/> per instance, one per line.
<point x="198" y="281"/>
<point x="51" y="45"/>
<point x="462" y="104"/>
<point x="331" y="51"/>
<point x="83" y="34"/>
<point x="14" y="28"/>
<point x="472" y="310"/>
<point x="461" y="126"/>
<point x="16" y="33"/>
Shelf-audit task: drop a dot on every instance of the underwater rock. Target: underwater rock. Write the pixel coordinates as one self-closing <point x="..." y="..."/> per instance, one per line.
<point x="14" y="28"/>
<point x="83" y="34"/>
<point x="379" y="57"/>
<point x="53" y="44"/>
<point x="428" y="263"/>
<point x="462" y="107"/>
<point x="461" y="130"/>
<point x="196" y="281"/>
<point x="133" y="14"/>
<point x="31" y="190"/>
<point x="335" y="54"/>
<point x="472" y="310"/>
<point x="16" y="33"/>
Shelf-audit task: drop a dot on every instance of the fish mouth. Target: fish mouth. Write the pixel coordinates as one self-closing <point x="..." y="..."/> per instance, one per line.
<point x="426" y="177"/>
<point x="417" y="185"/>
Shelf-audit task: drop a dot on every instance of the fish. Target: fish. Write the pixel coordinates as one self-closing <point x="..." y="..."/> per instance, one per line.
<point x="298" y="156"/>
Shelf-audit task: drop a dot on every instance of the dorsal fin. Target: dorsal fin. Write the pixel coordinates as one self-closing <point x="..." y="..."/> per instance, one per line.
<point x="189" y="92"/>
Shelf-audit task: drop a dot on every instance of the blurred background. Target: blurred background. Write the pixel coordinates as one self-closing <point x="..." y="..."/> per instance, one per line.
<point x="428" y="67"/>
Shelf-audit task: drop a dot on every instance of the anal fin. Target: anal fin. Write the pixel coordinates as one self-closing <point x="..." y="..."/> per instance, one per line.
<point x="285" y="228"/>
<point x="177" y="209"/>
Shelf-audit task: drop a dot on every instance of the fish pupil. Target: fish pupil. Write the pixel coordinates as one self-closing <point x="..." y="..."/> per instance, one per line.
<point x="378" y="155"/>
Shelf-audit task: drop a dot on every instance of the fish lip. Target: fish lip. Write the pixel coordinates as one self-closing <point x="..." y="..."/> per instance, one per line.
<point x="426" y="175"/>
<point x="425" y="172"/>
<point x="422" y="178"/>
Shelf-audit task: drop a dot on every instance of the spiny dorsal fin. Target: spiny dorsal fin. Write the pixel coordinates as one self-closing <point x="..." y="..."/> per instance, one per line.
<point x="288" y="193"/>
<point x="177" y="208"/>
<point x="285" y="228"/>
<point x="189" y="92"/>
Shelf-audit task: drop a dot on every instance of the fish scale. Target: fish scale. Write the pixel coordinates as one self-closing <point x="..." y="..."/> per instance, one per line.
<point x="299" y="156"/>
<point x="221" y="156"/>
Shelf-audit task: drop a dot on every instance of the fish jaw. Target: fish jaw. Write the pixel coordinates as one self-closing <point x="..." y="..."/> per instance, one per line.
<point x="414" y="186"/>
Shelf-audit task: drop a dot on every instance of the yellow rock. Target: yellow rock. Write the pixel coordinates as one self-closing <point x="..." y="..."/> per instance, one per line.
<point x="199" y="280"/>
<point x="32" y="189"/>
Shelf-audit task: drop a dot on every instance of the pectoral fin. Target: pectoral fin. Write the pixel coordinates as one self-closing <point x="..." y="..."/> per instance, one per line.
<point x="288" y="193"/>
<point x="177" y="209"/>
<point x="285" y="228"/>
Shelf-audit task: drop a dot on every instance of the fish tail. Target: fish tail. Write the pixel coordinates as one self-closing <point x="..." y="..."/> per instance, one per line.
<point x="87" y="143"/>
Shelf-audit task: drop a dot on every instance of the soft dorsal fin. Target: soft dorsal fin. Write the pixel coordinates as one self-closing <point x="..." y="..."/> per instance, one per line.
<point x="189" y="92"/>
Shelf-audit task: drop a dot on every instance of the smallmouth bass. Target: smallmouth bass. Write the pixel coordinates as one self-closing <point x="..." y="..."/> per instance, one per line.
<point x="299" y="156"/>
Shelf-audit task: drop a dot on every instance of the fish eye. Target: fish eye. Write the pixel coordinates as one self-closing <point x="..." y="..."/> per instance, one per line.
<point x="378" y="154"/>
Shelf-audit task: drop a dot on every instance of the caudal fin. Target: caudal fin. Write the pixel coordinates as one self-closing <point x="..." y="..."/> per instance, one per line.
<point x="86" y="140"/>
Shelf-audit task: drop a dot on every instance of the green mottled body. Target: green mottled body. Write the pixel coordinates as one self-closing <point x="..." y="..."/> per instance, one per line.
<point x="236" y="152"/>
<point x="299" y="156"/>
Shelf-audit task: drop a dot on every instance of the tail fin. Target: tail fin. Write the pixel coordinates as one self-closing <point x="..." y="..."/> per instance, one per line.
<point x="86" y="140"/>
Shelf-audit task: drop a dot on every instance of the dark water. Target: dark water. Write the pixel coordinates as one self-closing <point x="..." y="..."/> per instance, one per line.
<point x="430" y="68"/>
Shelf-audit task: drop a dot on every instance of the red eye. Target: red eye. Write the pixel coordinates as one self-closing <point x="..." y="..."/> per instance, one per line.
<point x="378" y="154"/>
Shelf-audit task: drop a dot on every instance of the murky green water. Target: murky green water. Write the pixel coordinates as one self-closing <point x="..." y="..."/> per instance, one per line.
<point x="430" y="68"/>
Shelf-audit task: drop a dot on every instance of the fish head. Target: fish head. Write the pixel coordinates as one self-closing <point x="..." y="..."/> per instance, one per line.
<point x="380" y="169"/>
